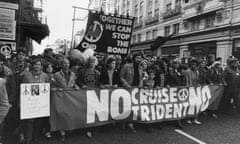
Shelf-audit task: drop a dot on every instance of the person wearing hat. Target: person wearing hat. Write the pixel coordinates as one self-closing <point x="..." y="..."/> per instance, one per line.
<point x="232" y="91"/>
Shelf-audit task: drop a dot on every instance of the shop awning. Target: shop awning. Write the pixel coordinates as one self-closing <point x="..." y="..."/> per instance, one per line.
<point x="36" y="32"/>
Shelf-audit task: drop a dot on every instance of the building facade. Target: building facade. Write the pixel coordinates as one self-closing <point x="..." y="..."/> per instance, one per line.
<point x="200" y="27"/>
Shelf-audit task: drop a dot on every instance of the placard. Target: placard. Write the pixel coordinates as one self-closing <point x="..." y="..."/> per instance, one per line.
<point x="34" y="100"/>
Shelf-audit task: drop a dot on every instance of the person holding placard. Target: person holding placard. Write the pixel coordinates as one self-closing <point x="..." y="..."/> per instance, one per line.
<point x="31" y="127"/>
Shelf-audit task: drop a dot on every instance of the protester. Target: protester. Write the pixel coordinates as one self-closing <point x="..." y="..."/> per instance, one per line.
<point x="88" y="78"/>
<point x="48" y="56"/>
<point x="215" y="76"/>
<point x="65" y="79"/>
<point x="4" y="102"/>
<point x="202" y="68"/>
<point x="232" y="91"/>
<point x="192" y="79"/>
<point x="160" y="73"/>
<point x="175" y="78"/>
<point x="19" y="68"/>
<point x="109" y="76"/>
<point x="149" y="81"/>
<point x="48" y="69"/>
<point x="130" y="76"/>
<point x="143" y="68"/>
<point x="30" y="128"/>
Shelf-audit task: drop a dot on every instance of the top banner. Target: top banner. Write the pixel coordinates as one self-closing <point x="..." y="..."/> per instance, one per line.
<point x="107" y="33"/>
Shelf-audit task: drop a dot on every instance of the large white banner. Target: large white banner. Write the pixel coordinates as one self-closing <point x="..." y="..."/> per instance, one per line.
<point x="35" y="100"/>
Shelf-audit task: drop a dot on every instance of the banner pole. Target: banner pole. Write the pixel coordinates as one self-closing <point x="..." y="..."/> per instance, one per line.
<point x="74" y="14"/>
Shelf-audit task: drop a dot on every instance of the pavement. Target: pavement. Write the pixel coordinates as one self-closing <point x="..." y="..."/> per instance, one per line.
<point x="223" y="130"/>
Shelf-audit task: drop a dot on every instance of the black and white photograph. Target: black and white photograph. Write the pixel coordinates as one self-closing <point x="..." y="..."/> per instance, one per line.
<point x="119" y="71"/>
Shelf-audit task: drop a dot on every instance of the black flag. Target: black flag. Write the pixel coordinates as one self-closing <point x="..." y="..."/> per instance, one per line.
<point x="107" y="33"/>
<point x="160" y="40"/>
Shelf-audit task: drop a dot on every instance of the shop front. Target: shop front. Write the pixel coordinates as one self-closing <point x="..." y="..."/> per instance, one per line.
<point x="201" y="50"/>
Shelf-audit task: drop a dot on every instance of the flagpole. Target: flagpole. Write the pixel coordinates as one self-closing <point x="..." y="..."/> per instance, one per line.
<point x="74" y="14"/>
<point x="74" y="19"/>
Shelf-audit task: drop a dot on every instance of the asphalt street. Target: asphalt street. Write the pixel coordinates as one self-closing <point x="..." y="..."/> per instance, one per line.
<point x="223" y="130"/>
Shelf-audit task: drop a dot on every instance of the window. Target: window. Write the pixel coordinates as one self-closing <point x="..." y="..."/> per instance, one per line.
<point x="149" y="14"/>
<point x="185" y="25"/>
<point x="134" y="39"/>
<point x="237" y="45"/>
<point x="150" y="4"/>
<point x="139" y="37"/>
<point x="141" y="7"/>
<point x="148" y="35"/>
<point x="136" y="10"/>
<point x="209" y="21"/>
<point x="176" y="28"/>
<point x="166" y="30"/>
<point x="141" y="18"/>
<point x="195" y="25"/>
<point x="156" y="12"/>
<point x="219" y="16"/>
<point x="178" y="3"/>
<point x="155" y="34"/>
<point x="169" y="6"/>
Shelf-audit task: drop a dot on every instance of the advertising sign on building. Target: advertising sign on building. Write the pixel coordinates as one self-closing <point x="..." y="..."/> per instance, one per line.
<point x="7" y="24"/>
<point x="107" y="33"/>
<point x="34" y="100"/>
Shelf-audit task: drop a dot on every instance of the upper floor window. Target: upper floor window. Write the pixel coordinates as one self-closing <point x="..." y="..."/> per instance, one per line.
<point x="148" y="35"/>
<point x="156" y="11"/>
<point x="134" y="39"/>
<point x="195" y="25"/>
<point x="178" y="2"/>
<point x="155" y="34"/>
<point x="167" y="30"/>
<point x="141" y="7"/>
<point x="176" y="28"/>
<point x="209" y="21"/>
<point x="169" y="6"/>
<point x="150" y="14"/>
<point x="139" y="37"/>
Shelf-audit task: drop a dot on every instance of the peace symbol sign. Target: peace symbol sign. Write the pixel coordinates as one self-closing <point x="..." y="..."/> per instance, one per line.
<point x="6" y="50"/>
<point x="94" y="32"/>
<point x="183" y="94"/>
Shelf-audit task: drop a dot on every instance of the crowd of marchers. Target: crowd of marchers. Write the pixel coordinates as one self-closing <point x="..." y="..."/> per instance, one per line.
<point x="134" y="70"/>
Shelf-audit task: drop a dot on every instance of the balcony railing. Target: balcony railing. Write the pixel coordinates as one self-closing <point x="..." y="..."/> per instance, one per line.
<point x="152" y="20"/>
<point x="172" y="13"/>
